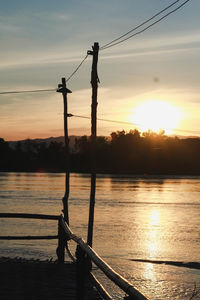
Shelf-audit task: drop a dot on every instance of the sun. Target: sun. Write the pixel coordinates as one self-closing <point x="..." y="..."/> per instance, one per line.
<point x="156" y="115"/>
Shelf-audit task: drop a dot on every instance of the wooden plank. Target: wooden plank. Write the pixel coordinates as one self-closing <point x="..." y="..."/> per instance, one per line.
<point x="107" y="270"/>
<point x="29" y="216"/>
<point x="99" y="287"/>
<point x="35" y="279"/>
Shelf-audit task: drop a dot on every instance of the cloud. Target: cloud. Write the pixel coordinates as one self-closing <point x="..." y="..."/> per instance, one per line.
<point x="40" y="60"/>
<point x="141" y="54"/>
<point x="154" y="46"/>
<point x="10" y="25"/>
<point x="61" y="16"/>
<point x="176" y="43"/>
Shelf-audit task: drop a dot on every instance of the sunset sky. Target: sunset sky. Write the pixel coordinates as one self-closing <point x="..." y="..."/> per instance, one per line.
<point x="151" y="80"/>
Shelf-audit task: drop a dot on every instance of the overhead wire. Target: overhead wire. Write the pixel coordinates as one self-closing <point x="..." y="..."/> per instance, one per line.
<point x="45" y="90"/>
<point x="30" y="91"/>
<point x="140" y="25"/>
<point x="111" y="44"/>
<point x="77" y="68"/>
<point x="130" y="123"/>
<point x="100" y="119"/>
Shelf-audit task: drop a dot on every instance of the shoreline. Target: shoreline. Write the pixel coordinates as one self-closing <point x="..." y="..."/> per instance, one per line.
<point x="117" y="175"/>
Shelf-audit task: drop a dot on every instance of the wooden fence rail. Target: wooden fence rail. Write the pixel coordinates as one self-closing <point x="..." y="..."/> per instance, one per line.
<point x="84" y="256"/>
<point x="29" y="216"/>
<point x="104" y="267"/>
<point x="104" y="294"/>
<point x="29" y="237"/>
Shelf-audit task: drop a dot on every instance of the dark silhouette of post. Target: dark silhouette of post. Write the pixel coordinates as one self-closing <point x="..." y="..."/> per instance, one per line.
<point x="94" y="83"/>
<point x="62" y="88"/>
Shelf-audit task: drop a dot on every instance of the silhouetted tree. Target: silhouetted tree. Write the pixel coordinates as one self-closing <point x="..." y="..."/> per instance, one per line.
<point x="5" y="155"/>
<point x="124" y="152"/>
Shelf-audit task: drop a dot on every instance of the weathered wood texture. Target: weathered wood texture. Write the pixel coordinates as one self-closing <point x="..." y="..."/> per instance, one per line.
<point x="105" y="295"/>
<point x="62" y="88"/>
<point x="26" y="279"/>
<point x="64" y="234"/>
<point x="94" y="83"/>
<point x="108" y="271"/>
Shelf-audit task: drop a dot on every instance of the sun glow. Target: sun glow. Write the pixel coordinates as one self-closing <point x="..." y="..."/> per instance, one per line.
<point x="156" y="115"/>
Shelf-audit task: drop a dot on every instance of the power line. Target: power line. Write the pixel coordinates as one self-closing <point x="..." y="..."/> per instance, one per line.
<point x="130" y="123"/>
<point x="45" y="90"/>
<point x="32" y="91"/>
<point x="140" y="25"/>
<point x="111" y="44"/>
<point x="77" y="68"/>
<point x="106" y="120"/>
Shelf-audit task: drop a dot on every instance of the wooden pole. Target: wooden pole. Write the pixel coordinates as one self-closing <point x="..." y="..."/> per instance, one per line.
<point x="103" y="266"/>
<point x="66" y="196"/>
<point x="62" y="88"/>
<point x="94" y="83"/>
<point x="60" y="251"/>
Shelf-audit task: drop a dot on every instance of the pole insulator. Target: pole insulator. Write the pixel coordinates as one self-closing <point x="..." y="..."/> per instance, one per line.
<point x="90" y="52"/>
<point x="63" y="90"/>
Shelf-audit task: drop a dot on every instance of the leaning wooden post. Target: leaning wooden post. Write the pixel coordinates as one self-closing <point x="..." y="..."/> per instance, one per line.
<point x="94" y="83"/>
<point x="61" y="243"/>
<point x="62" y="88"/>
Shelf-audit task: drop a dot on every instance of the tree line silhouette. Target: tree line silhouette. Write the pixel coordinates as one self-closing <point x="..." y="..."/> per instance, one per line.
<point x="122" y="153"/>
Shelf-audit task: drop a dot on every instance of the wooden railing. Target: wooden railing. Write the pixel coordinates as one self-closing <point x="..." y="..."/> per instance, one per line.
<point x="85" y="255"/>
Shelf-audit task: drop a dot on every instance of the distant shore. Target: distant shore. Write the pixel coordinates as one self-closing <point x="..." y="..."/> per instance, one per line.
<point x="132" y="175"/>
<point x="128" y="153"/>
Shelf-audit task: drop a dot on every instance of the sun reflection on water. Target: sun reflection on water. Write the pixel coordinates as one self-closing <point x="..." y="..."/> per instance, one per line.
<point x="153" y="234"/>
<point x="149" y="271"/>
<point x="154" y="218"/>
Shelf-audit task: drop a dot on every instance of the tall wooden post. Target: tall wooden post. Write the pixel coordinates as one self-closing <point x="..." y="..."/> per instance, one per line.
<point x="62" y="88"/>
<point x="94" y="83"/>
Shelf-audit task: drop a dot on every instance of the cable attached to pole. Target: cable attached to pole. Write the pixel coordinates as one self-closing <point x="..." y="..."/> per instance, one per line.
<point x="77" y="68"/>
<point x="31" y="91"/>
<point x="114" y="42"/>
<point x="130" y="123"/>
<point x="140" y="25"/>
<point x="46" y="90"/>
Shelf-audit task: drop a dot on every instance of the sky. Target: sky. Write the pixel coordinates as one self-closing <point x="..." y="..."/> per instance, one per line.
<point x="150" y="78"/>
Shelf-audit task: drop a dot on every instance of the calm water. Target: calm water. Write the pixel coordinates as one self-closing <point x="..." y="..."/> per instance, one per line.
<point x="135" y="218"/>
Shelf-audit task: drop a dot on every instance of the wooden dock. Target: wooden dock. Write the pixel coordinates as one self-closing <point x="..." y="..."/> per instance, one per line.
<point x="35" y="280"/>
<point x="40" y="280"/>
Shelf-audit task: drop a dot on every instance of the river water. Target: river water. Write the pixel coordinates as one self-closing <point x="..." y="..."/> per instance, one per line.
<point x="136" y="218"/>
